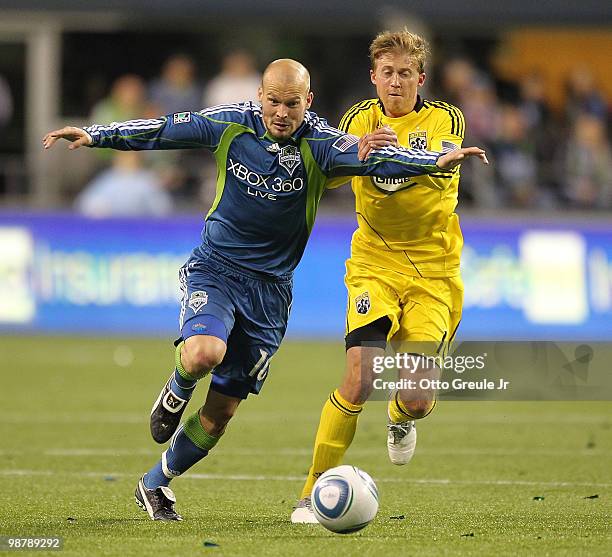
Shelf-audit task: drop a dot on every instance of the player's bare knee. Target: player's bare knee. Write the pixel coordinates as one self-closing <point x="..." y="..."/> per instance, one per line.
<point x="202" y="355"/>
<point x="419" y="408"/>
<point x="205" y="361"/>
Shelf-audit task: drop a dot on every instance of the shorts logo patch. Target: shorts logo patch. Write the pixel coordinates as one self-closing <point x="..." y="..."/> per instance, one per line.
<point x="418" y="140"/>
<point x="198" y="300"/>
<point x="289" y="158"/>
<point x="344" y="142"/>
<point x="181" y="118"/>
<point x="362" y="303"/>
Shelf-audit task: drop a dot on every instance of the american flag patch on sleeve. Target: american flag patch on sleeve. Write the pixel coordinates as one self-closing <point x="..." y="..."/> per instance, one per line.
<point x="344" y="142"/>
<point x="448" y="146"/>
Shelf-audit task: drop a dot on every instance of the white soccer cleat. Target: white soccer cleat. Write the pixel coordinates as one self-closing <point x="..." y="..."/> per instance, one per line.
<point x="401" y="441"/>
<point x="303" y="513"/>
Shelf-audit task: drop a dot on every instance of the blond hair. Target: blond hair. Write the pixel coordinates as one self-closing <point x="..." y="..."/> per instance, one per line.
<point x="400" y="41"/>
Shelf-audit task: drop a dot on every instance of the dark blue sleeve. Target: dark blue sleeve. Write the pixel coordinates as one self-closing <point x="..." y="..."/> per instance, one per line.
<point x="183" y="130"/>
<point x="337" y="156"/>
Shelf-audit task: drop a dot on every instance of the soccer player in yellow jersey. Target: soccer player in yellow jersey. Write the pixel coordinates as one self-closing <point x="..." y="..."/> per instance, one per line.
<point x="403" y="276"/>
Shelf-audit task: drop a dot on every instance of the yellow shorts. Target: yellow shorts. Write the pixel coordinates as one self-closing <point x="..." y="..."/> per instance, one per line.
<point x="420" y="309"/>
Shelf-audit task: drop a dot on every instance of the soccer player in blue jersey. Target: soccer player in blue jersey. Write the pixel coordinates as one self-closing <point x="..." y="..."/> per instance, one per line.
<point x="274" y="160"/>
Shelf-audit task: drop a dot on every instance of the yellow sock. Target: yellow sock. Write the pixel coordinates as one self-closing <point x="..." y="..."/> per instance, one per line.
<point x="399" y="413"/>
<point x="334" y="436"/>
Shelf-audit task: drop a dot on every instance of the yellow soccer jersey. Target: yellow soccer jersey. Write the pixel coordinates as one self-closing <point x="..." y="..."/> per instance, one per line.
<point x="409" y="225"/>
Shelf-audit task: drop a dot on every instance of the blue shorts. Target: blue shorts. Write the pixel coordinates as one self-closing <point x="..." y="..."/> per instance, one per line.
<point x="244" y="309"/>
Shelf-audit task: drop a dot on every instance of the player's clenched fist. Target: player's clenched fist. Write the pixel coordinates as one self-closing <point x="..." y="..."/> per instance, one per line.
<point x="76" y="136"/>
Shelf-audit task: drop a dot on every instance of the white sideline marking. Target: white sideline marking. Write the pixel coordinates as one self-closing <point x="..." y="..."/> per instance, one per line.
<point x="263" y="478"/>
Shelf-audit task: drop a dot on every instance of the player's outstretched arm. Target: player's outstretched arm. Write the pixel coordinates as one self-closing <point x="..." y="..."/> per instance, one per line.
<point x="76" y="136"/>
<point x="385" y="136"/>
<point x="450" y="160"/>
<point x="342" y="156"/>
<point x="184" y="130"/>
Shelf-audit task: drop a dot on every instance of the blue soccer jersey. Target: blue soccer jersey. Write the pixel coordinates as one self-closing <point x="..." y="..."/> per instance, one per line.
<point x="267" y="191"/>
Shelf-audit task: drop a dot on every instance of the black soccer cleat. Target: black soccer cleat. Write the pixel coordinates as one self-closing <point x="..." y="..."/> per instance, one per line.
<point x="166" y="414"/>
<point x="158" y="503"/>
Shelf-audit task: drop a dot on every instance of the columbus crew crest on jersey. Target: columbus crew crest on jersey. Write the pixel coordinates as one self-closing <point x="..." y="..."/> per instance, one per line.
<point x="289" y="158"/>
<point x="418" y="140"/>
<point x="362" y="303"/>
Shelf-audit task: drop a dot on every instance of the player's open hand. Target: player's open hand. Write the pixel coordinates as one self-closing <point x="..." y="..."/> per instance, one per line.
<point x="76" y="136"/>
<point x="382" y="137"/>
<point x="450" y="160"/>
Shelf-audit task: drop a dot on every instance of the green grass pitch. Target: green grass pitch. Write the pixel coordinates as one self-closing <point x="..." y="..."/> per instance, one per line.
<point x="74" y="441"/>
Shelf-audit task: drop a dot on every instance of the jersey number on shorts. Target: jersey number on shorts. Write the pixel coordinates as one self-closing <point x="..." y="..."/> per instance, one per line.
<point x="261" y="367"/>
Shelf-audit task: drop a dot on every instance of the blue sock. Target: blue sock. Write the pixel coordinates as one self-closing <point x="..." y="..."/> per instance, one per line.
<point x="182" y="383"/>
<point x="182" y="387"/>
<point x="189" y="445"/>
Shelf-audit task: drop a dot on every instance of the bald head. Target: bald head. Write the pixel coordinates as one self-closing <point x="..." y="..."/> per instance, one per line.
<point x="285" y="96"/>
<point x="287" y="72"/>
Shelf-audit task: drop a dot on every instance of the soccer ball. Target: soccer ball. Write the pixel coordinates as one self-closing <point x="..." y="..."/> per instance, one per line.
<point x="345" y="499"/>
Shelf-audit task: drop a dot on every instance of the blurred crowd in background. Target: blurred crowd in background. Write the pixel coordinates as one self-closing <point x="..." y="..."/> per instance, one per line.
<point x="543" y="157"/>
<point x="152" y="183"/>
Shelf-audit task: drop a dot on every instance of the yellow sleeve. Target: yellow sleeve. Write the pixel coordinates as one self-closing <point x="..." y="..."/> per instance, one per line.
<point x="354" y="122"/>
<point x="448" y="136"/>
